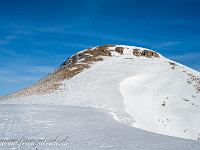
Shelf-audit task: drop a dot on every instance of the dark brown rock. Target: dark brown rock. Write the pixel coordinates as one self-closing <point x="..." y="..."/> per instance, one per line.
<point x="146" y="53"/>
<point x="136" y="52"/>
<point x="119" y="50"/>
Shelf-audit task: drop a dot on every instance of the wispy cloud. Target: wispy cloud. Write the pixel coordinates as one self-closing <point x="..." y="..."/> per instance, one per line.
<point x="77" y="45"/>
<point x="7" y="51"/>
<point x="23" y="74"/>
<point x="18" y="69"/>
<point x="69" y="30"/>
<point x="19" y="79"/>
<point x="186" y="57"/>
<point x="39" y="69"/>
<point x="7" y="39"/>
<point x="165" y="44"/>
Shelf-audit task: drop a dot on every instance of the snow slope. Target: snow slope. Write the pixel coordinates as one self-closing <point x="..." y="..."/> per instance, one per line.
<point x="154" y="94"/>
<point x="85" y="129"/>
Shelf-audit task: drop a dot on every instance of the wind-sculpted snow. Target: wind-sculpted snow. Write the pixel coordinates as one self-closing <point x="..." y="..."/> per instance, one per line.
<point x="145" y="91"/>
<point x="84" y="129"/>
<point x="157" y="102"/>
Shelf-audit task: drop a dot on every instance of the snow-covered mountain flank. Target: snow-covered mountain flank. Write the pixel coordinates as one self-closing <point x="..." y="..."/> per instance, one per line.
<point x="136" y="85"/>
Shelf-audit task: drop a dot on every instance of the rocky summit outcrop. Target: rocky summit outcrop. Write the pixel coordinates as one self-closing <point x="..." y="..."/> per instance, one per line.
<point x="119" y="50"/>
<point x="74" y="65"/>
<point x="146" y="53"/>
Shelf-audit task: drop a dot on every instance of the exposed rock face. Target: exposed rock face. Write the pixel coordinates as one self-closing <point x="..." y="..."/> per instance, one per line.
<point x="119" y="50"/>
<point x="146" y="53"/>
<point x="136" y="52"/>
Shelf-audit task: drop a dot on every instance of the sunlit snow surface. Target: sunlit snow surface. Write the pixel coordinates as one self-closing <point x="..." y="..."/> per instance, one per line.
<point x="132" y="89"/>
<point x="87" y="129"/>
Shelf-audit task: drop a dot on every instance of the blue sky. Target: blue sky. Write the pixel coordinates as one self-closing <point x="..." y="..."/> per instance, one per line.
<point x="37" y="36"/>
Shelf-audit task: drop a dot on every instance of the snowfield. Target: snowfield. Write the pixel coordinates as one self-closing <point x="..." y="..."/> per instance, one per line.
<point x="85" y="128"/>
<point x="152" y="94"/>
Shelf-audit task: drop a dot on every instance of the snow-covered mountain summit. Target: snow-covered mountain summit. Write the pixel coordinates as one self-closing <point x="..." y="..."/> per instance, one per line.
<point x="77" y="63"/>
<point x="136" y="85"/>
